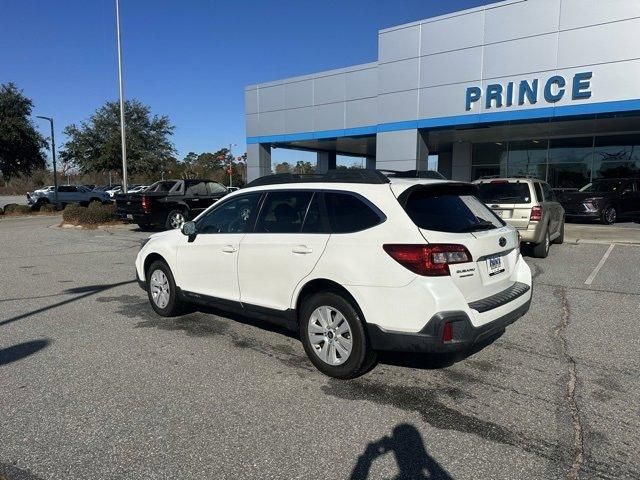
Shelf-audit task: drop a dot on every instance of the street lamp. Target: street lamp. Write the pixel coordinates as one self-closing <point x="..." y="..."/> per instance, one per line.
<point x="121" y="88"/>
<point x="53" y="157"/>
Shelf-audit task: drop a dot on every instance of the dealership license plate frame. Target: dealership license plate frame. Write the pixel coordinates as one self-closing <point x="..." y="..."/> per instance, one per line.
<point x="495" y="265"/>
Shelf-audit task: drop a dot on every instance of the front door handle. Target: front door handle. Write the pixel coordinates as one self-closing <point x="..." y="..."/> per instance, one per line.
<point x="229" y="249"/>
<point x="302" y="249"/>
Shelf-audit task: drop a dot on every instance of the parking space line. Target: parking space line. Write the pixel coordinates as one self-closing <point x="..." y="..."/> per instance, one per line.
<point x="592" y="277"/>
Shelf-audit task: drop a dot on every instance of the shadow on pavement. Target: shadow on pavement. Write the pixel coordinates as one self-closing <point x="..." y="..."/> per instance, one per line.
<point x="433" y="361"/>
<point x="21" y="350"/>
<point x="85" y="291"/>
<point x="406" y="444"/>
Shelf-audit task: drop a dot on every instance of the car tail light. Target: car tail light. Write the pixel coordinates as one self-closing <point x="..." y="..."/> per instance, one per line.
<point x="429" y="260"/>
<point x="536" y="214"/>
<point x="146" y="204"/>
<point x="447" y="332"/>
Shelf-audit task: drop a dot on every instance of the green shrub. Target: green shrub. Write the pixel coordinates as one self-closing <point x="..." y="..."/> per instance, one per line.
<point x="15" y="209"/>
<point x="48" y="208"/>
<point x="71" y="213"/>
<point x="94" y="214"/>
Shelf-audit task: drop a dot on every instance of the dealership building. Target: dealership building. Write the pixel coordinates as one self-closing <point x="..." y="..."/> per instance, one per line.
<point x="549" y="88"/>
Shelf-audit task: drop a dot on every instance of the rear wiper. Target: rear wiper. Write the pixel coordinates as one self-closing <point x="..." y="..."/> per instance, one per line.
<point x="476" y="227"/>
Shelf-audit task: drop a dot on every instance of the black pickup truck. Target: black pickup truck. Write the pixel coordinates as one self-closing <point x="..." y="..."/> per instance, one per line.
<point x="169" y="203"/>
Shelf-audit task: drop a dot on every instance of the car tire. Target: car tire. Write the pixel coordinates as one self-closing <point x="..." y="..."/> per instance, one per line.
<point x="609" y="215"/>
<point x="560" y="239"/>
<point x="326" y="343"/>
<point x="145" y="227"/>
<point x="175" y="219"/>
<point x="162" y="291"/>
<point x="541" y="250"/>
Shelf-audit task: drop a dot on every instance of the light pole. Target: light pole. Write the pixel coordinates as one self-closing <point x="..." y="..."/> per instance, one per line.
<point x="53" y="158"/>
<point x="231" y="145"/>
<point x="121" y="87"/>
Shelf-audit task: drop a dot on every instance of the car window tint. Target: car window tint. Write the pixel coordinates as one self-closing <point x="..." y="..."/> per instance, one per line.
<point x="538" y="189"/>
<point x="313" y="222"/>
<point x="448" y="208"/>
<point x="233" y="216"/>
<point x="283" y="212"/>
<point x="549" y="196"/>
<point x="504" y="192"/>
<point x="198" y="188"/>
<point x="347" y="213"/>
<point x="215" y="188"/>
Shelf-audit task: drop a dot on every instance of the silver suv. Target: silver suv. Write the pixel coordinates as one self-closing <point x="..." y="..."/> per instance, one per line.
<point x="529" y="205"/>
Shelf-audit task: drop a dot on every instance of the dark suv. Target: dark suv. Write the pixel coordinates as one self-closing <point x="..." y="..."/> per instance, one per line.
<point x="605" y="199"/>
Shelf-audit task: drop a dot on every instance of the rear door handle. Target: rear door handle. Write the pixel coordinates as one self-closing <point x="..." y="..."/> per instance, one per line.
<point x="229" y="249"/>
<point x="302" y="249"/>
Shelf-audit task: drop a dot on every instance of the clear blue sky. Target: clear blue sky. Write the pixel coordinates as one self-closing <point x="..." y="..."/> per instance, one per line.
<point x="189" y="59"/>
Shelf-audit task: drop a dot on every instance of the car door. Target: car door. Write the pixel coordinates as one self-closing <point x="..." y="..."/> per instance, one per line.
<point x="207" y="264"/>
<point x="628" y="202"/>
<point x="196" y="197"/>
<point x="283" y="249"/>
<point x="556" y="212"/>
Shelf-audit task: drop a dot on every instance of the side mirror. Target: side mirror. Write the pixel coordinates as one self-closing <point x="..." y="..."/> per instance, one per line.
<point x="189" y="229"/>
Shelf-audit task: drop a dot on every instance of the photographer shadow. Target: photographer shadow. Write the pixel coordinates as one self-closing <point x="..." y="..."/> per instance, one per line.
<point x="411" y="456"/>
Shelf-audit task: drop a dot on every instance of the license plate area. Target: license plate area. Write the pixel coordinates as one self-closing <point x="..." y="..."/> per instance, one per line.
<point x="129" y="216"/>
<point x="503" y="213"/>
<point x="495" y="265"/>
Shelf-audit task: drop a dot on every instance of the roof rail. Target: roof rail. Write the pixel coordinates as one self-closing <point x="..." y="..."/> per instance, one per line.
<point x="332" y="176"/>
<point x="430" y="174"/>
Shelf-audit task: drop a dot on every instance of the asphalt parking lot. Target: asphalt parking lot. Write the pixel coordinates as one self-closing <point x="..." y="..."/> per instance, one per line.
<point x="94" y="385"/>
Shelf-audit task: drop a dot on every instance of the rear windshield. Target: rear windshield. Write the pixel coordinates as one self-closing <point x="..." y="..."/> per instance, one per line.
<point x="449" y="212"/>
<point x="505" y="192"/>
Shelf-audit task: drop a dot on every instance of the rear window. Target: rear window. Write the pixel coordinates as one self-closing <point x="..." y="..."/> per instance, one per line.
<point x="505" y="192"/>
<point x="444" y="211"/>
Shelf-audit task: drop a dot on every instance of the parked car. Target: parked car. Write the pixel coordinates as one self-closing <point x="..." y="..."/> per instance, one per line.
<point x="66" y="194"/>
<point x="355" y="262"/>
<point x="528" y="204"/>
<point x="604" y="200"/>
<point x="169" y="203"/>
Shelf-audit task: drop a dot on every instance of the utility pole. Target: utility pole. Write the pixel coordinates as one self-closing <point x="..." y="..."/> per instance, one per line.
<point x="231" y="145"/>
<point x="121" y="87"/>
<point x="53" y="158"/>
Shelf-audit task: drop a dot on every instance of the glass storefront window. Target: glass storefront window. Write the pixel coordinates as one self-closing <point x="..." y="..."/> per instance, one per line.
<point x="569" y="175"/>
<point x="617" y="156"/>
<point x="571" y="150"/>
<point x="528" y="158"/>
<point x="490" y="153"/>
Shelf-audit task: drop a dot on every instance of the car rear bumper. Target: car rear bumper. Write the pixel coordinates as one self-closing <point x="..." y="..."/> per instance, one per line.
<point x="141" y="218"/>
<point x="429" y="339"/>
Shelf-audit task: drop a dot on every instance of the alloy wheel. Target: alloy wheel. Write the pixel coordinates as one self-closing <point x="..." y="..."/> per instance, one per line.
<point x="176" y="220"/>
<point x="610" y="215"/>
<point x="330" y="335"/>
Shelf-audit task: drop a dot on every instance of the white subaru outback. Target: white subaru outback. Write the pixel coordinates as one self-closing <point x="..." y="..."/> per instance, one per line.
<point x="356" y="262"/>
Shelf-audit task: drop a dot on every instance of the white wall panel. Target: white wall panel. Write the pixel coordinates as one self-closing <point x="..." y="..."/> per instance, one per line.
<point x="451" y="67"/>
<point x="271" y="123"/>
<point x="610" y="42"/>
<point x="362" y="83"/>
<point x="398" y="44"/>
<point x="522" y="19"/>
<point x="396" y="107"/>
<point x="298" y="94"/>
<point x="534" y="54"/>
<point x="580" y="13"/>
<point x="251" y="101"/>
<point x="329" y="117"/>
<point x="299" y="120"/>
<point x="454" y="33"/>
<point x="329" y="89"/>
<point x="360" y="113"/>
<point x="271" y="98"/>
<point x="398" y="76"/>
